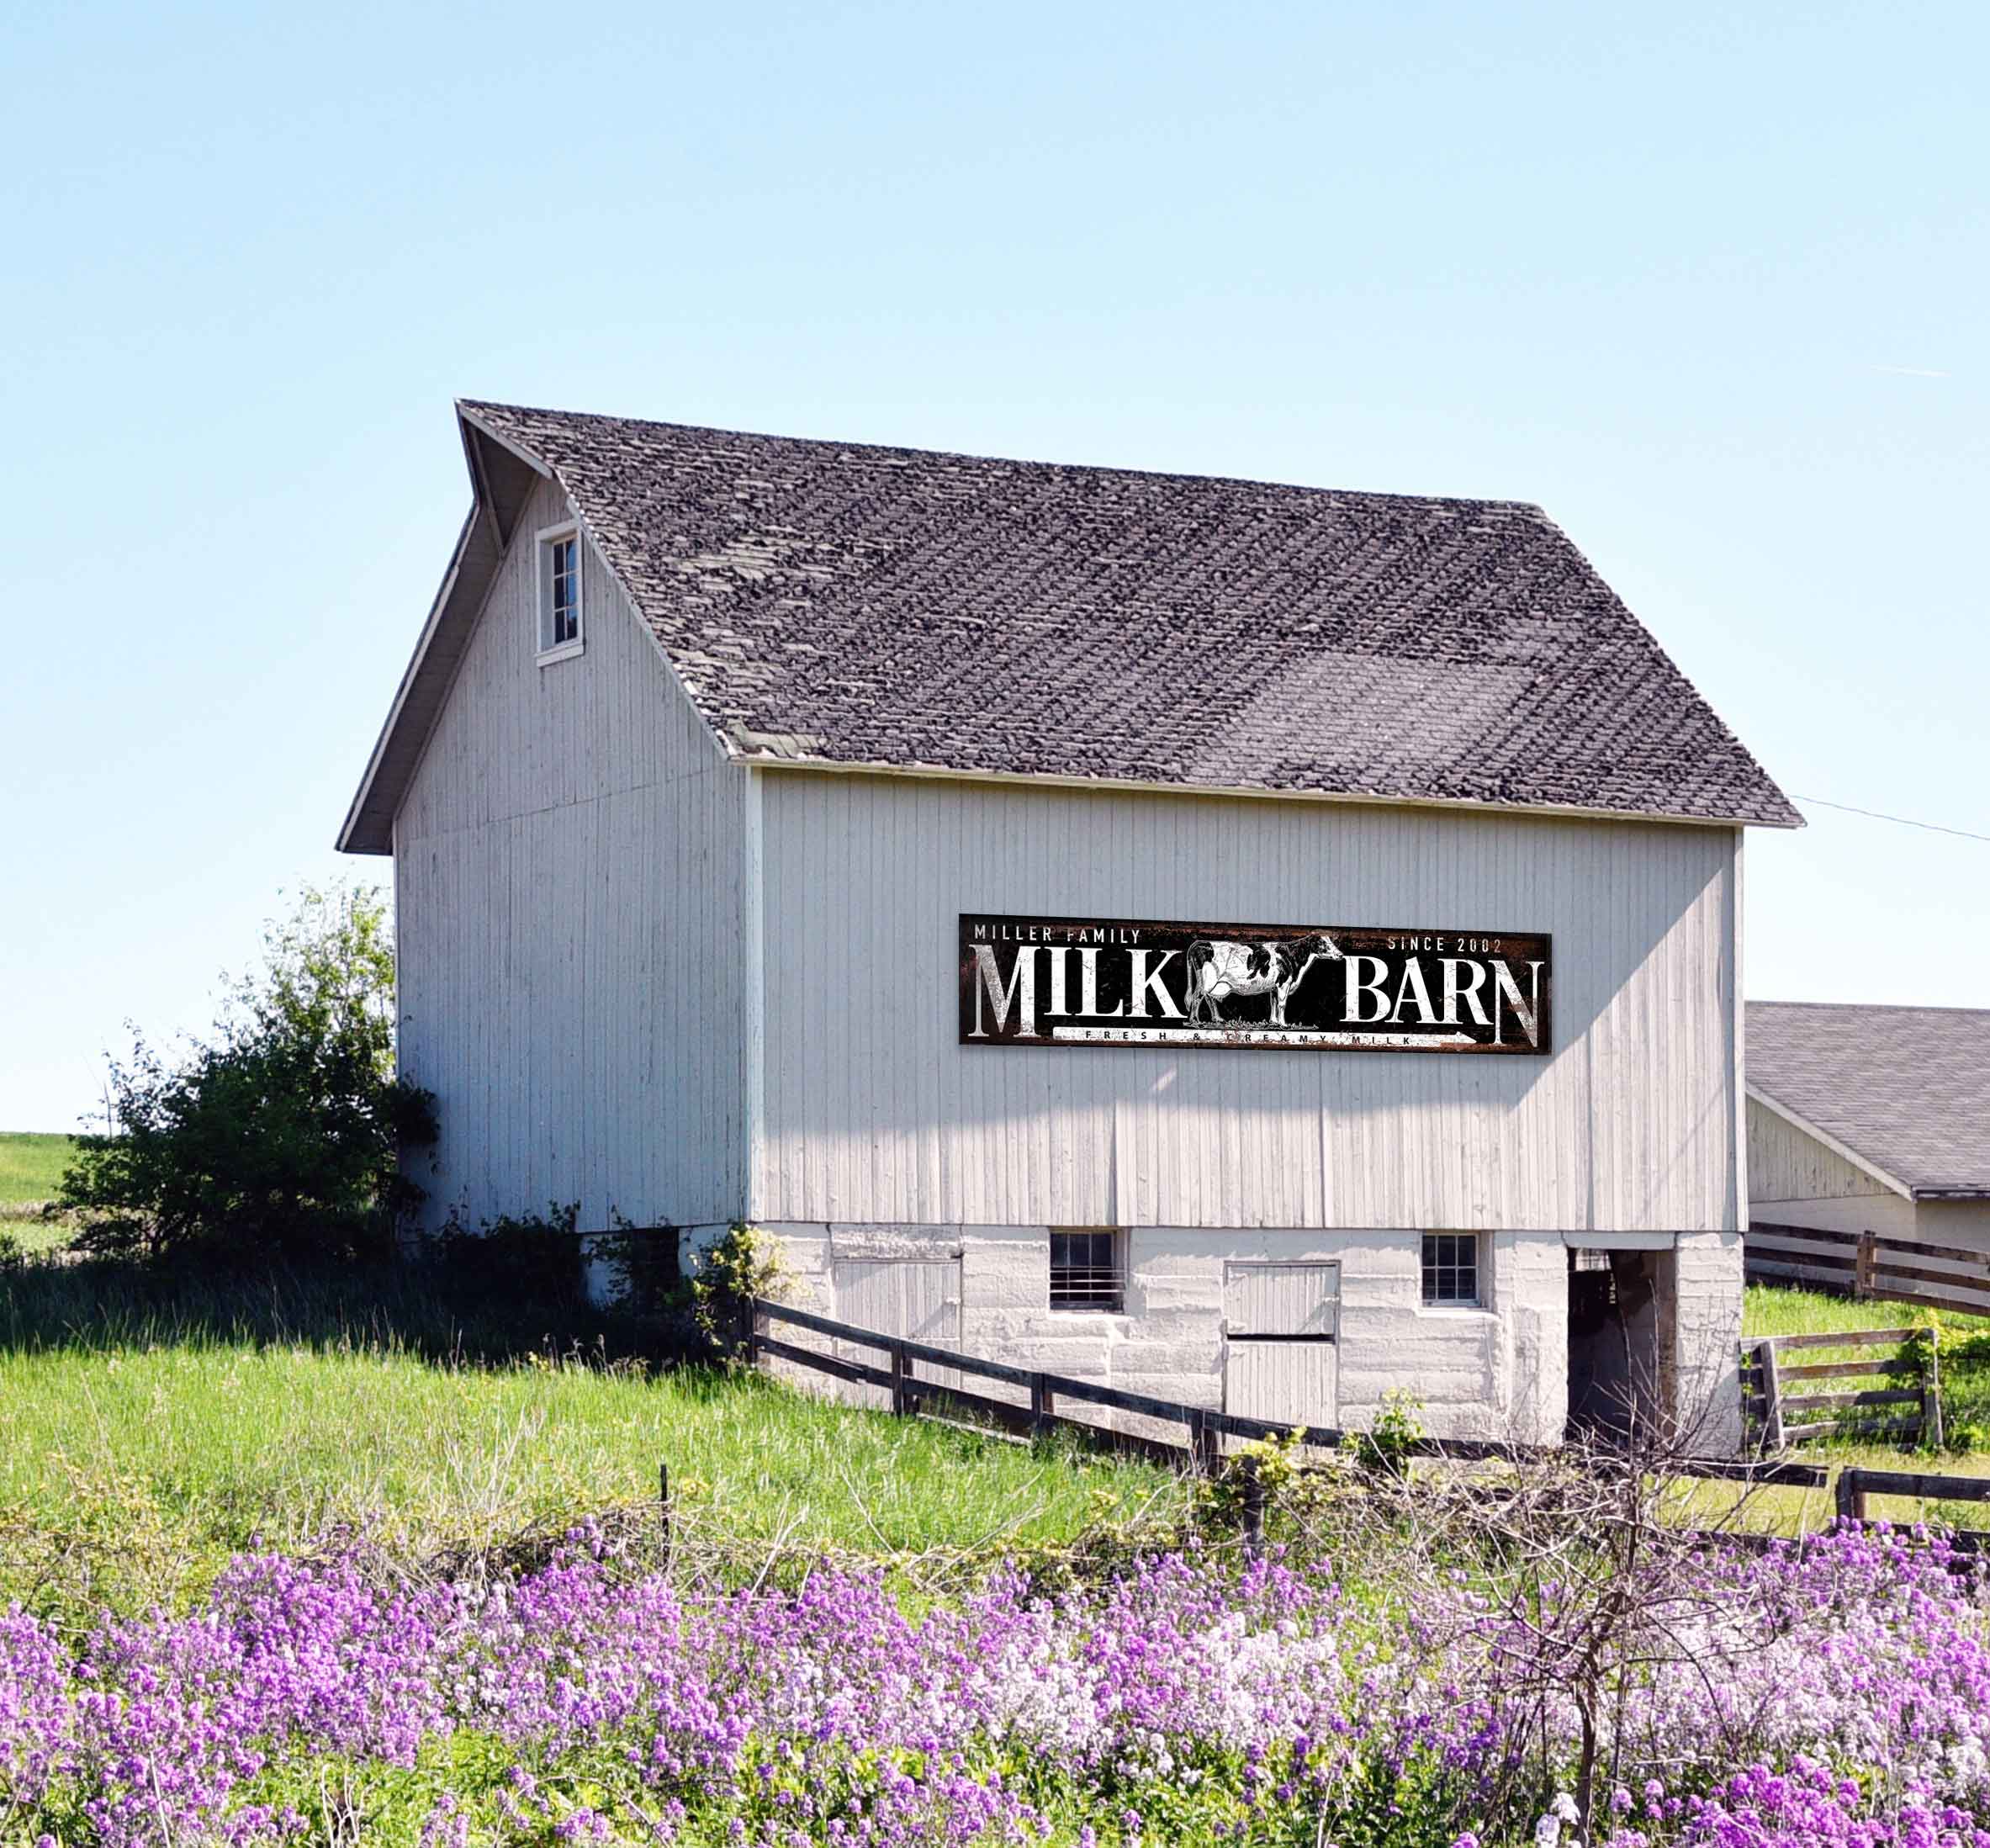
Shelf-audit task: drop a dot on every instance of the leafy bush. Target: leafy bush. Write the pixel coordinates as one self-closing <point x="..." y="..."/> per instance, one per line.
<point x="281" y="1135"/>
<point x="525" y="1257"/>
<point x="745" y="1263"/>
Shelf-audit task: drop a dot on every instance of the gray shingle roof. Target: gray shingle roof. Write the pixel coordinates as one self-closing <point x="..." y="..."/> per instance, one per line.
<point x="1906" y="1088"/>
<point x="850" y="604"/>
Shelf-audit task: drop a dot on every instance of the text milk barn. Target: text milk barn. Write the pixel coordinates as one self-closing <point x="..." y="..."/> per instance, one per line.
<point x="1249" y="944"/>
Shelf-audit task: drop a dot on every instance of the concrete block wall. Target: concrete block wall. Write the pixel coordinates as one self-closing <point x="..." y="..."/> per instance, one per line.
<point x="1706" y="1345"/>
<point x="1496" y="1372"/>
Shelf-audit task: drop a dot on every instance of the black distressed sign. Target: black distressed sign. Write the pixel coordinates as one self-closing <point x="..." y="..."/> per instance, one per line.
<point x="1077" y="982"/>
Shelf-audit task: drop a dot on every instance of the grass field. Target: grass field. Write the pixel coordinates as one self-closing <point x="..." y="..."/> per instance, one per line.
<point x="1778" y="1311"/>
<point x="146" y="1431"/>
<point x="1965" y="1396"/>
<point x="31" y="1165"/>
<point x="136" y="1452"/>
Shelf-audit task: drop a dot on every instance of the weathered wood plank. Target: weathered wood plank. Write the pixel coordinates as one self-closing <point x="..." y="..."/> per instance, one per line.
<point x="915" y="1350"/>
<point x="1845" y="1369"/>
<point x="1977" y="1305"/>
<point x="1929" y="1487"/>
<point x="1854" y="1337"/>
<point x="853" y="1370"/>
<point x="1840" y="1427"/>
<point x="1955" y="1254"/>
<point x="1777" y="1474"/>
<point x="1789" y="1249"/>
<point x="1773" y="1271"/>
<point x="1847" y="1401"/>
<point x="1806" y="1235"/>
<point x="1889" y="1272"/>
<point x="931" y="1395"/>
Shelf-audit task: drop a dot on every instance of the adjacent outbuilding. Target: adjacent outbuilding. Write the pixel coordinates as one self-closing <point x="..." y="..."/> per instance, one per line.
<point x="1870" y="1121"/>
<point x="1252" y="944"/>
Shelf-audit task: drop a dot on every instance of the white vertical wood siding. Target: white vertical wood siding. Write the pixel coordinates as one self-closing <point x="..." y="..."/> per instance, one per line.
<point x="1785" y="1164"/>
<point x="1280" y="1299"/>
<point x="569" y="867"/>
<point x="871" y="1111"/>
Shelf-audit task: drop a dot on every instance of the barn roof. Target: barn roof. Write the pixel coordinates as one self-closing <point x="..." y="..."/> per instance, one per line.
<point x="1905" y="1092"/>
<point x="849" y="606"/>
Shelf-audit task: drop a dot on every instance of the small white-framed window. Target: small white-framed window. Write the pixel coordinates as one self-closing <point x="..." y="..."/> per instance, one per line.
<point x="1088" y="1269"/>
<point x="559" y="593"/>
<point x="1451" y="1271"/>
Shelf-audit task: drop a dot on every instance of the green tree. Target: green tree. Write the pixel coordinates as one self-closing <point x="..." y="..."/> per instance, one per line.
<point x="280" y="1134"/>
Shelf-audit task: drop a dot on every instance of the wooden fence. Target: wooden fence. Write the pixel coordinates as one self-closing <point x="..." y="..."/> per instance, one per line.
<point x="1786" y="1401"/>
<point x="1204" y="1430"/>
<point x="1865" y="1265"/>
<point x="1854" y="1486"/>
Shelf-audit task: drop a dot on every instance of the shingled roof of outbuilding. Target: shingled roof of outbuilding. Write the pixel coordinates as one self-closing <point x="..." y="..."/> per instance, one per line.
<point x="850" y="606"/>
<point x="1905" y="1091"/>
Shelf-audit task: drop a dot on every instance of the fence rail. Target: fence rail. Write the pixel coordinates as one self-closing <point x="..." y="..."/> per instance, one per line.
<point x="1780" y="1417"/>
<point x="1203" y="1428"/>
<point x="1866" y="1266"/>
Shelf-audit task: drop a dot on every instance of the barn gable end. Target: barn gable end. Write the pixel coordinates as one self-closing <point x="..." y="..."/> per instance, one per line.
<point x="573" y="835"/>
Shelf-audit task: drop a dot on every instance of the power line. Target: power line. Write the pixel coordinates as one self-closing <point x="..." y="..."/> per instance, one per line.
<point x="1903" y="821"/>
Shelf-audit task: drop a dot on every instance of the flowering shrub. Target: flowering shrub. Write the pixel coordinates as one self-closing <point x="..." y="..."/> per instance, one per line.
<point x="1840" y="1694"/>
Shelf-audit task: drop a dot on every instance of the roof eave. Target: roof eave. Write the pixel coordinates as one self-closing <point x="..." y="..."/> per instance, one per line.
<point x="759" y="756"/>
<point x="355" y="835"/>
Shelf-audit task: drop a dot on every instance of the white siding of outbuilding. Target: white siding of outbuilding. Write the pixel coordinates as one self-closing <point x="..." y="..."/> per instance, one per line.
<point x="569" y="867"/>
<point x="872" y="1113"/>
<point x="1784" y="1163"/>
<point x="1954" y="1222"/>
<point x="1794" y="1179"/>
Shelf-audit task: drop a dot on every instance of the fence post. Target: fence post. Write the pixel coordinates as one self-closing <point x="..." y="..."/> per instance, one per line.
<point x="1772" y="1394"/>
<point x="1931" y="1419"/>
<point x="1851" y="1494"/>
<point x="900" y="1379"/>
<point x="749" y="1331"/>
<point x="663" y="1508"/>
<point x="1866" y="1267"/>
<point x="1252" y="1486"/>
<point x="1205" y="1447"/>
<point x="1042" y="1405"/>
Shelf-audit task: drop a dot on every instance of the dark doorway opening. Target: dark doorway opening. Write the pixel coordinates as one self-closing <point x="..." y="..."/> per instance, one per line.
<point x="1620" y="1314"/>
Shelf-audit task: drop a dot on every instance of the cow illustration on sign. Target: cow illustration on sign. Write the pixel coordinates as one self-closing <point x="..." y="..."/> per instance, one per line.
<point x="1217" y="971"/>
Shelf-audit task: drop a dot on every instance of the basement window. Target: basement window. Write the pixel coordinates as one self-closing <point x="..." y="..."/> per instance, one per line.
<point x="559" y="594"/>
<point x="1089" y="1270"/>
<point x="1450" y="1270"/>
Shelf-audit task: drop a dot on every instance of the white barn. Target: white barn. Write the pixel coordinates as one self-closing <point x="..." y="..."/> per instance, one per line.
<point x="749" y="798"/>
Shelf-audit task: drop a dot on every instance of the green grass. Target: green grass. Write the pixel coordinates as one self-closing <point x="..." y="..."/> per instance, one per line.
<point x="137" y="1451"/>
<point x="1774" y="1310"/>
<point x="31" y="1165"/>
<point x="1966" y="1396"/>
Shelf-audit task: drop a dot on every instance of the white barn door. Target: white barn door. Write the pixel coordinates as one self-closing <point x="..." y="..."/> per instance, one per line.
<point x="1280" y="1322"/>
<point x="919" y="1299"/>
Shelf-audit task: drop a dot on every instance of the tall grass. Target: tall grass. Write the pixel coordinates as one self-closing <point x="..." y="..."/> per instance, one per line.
<point x="142" y="1441"/>
<point x="1773" y="1310"/>
<point x="31" y="1165"/>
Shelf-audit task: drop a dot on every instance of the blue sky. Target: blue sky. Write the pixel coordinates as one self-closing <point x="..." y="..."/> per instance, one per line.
<point x="1707" y="282"/>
